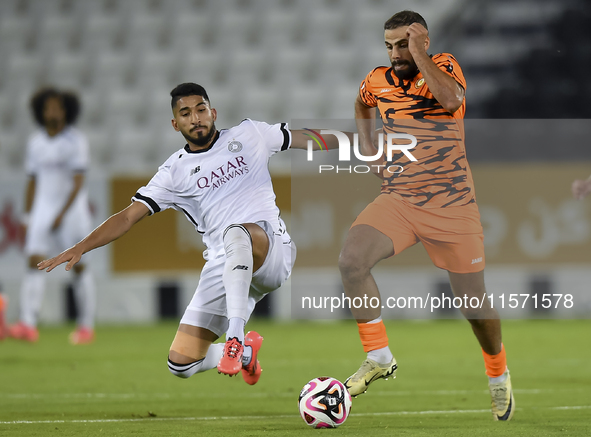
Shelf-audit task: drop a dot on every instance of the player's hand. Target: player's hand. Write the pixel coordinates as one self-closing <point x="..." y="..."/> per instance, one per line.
<point x="581" y="188"/>
<point x="57" y="222"/>
<point x="417" y="37"/>
<point x="71" y="256"/>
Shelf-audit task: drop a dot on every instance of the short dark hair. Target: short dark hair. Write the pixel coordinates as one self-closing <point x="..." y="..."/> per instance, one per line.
<point x="187" y="89"/>
<point x="68" y="99"/>
<point x="404" y="18"/>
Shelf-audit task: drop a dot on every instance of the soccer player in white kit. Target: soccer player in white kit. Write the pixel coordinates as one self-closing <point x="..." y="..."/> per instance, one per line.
<point x="57" y="212"/>
<point x="220" y="181"/>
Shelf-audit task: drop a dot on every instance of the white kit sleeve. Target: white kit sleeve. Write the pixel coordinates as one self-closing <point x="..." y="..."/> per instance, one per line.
<point x="158" y="194"/>
<point x="277" y="137"/>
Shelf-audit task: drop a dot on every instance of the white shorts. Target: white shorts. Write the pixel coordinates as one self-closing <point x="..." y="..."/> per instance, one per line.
<point x="207" y="309"/>
<point x="40" y="240"/>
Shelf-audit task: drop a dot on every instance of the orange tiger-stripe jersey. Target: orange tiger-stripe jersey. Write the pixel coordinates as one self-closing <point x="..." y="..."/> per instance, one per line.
<point x="441" y="176"/>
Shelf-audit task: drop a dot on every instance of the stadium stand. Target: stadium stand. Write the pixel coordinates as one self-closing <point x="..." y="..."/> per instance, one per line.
<point x="524" y="58"/>
<point x="272" y="60"/>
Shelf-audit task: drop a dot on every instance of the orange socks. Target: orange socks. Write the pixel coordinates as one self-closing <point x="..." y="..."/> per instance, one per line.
<point x="495" y="365"/>
<point x="373" y="335"/>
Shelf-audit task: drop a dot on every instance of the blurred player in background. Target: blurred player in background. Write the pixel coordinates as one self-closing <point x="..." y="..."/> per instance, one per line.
<point x="56" y="209"/>
<point x="220" y="181"/>
<point x="581" y="188"/>
<point x="431" y="201"/>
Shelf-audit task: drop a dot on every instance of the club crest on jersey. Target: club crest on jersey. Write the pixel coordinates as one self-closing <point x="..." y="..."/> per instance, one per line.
<point x="419" y="83"/>
<point x="234" y="146"/>
<point x="195" y="170"/>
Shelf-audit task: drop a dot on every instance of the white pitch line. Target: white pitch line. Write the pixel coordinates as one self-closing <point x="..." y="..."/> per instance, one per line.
<point x="108" y="396"/>
<point x="279" y="416"/>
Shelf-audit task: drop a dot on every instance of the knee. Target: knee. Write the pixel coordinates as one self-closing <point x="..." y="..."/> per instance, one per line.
<point x="237" y="238"/>
<point x="352" y="265"/>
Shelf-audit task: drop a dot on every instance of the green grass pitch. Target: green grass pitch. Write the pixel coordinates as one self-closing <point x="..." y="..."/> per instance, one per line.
<point x="120" y="385"/>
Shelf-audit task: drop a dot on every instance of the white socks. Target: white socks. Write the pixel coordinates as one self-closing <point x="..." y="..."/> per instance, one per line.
<point x="381" y="356"/>
<point x="32" y="290"/>
<point x="210" y="361"/>
<point x="236" y="329"/>
<point x="84" y="291"/>
<point x="498" y="379"/>
<point x="246" y="355"/>
<point x="237" y="277"/>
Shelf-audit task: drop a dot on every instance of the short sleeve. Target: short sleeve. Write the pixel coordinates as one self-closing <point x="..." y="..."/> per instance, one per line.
<point x="446" y="62"/>
<point x="158" y="194"/>
<point x="365" y="91"/>
<point x="276" y="137"/>
<point x="79" y="156"/>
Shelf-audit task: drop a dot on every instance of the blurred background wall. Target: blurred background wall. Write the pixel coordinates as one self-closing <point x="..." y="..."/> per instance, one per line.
<point x="292" y="60"/>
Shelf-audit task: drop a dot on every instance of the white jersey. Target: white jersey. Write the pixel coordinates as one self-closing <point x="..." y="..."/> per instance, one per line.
<point x="54" y="161"/>
<point x="227" y="183"/>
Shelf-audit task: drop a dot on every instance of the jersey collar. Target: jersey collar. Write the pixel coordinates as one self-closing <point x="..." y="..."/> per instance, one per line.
<point x="404" y="84"/>
<point x="215" y="138"/>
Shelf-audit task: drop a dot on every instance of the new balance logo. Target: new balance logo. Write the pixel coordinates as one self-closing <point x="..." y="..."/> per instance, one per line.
<point x="239" y="267"/>
<point x="477" y="260"/>
<point x="195" y="170"/>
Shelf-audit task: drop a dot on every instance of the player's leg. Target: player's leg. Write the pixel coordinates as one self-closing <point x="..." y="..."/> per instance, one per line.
<point x="246" y="246"/>
<point x="76" y="225"/>
<point x="381" y="230"/>
<point x="364" y="247"/>
<point x="272" y="273"/>
<point x="486" y="325"/>
<point x="38" y="242"/>
<point x="31" y="297"/>
<point x="192" y="350"/>
<point x="485" y="321"/>
<point x="84" y="291"/>
<point x="454" y="241"/>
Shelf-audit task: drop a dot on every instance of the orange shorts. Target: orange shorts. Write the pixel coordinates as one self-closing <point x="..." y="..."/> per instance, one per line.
<point x="452" y="236"/>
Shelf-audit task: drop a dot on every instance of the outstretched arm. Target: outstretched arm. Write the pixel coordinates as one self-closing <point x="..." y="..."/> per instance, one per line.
<point x="300" y="137"/>
<point x="111" y="229"/>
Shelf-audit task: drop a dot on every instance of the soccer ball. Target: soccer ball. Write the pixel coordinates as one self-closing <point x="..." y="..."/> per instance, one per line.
<point x="324" y="403"/>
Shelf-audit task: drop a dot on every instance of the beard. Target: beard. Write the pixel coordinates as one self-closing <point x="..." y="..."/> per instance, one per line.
<point x="408" y="73"/>
<point x="201" y="139"/>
